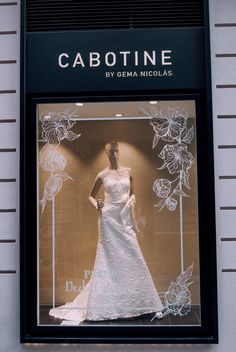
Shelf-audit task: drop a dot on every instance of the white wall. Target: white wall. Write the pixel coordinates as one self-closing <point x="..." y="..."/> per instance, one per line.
<point x="223" y="34"/>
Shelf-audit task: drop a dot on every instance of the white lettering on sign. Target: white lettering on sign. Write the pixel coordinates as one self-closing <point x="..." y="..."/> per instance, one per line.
<point x="148" y="57"/>
<point x="78" y="60"/>
<point x="132" y="74"/>
<point x="136" y="58"/>
<point x="165" y="57"/>
<point x="113" y="59"/>
<point x="62" y="56"/>
<point x="94" y="59"/>
<point x="110" y="59"/>
<point x="125" y="53"/>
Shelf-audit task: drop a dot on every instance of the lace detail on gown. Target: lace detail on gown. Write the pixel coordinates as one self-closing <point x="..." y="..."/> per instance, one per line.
<point x="116" y="184"/>
<point x="121" y="285"/>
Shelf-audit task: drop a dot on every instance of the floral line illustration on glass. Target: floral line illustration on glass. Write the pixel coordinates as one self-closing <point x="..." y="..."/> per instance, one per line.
<point x="170" y="124"/>
<point x="55" y="127"/>
<point x="177" y="299"/>
<point x="53" y="162"/>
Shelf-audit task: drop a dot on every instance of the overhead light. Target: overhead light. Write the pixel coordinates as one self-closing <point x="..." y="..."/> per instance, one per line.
<point x="108" y="118"/>
<point x="79" y="104"/>
<point x="153" y="102"/>
<point x="119" y="115"/>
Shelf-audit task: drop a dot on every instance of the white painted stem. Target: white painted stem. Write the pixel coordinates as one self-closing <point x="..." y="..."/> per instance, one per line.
<point x="181" y="227"/>
<point x="53" y="253"/>
<point x="181" y="233"/>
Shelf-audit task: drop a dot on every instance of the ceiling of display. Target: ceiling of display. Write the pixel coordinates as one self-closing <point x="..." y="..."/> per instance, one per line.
<point x="110" y="109"/>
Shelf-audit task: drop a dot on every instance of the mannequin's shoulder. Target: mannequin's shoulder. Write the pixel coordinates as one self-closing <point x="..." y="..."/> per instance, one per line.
<point x="102" y="174"/>
<point x="127" y="170"/>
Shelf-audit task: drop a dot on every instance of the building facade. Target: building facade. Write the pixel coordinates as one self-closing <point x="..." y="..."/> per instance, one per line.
<point x="222" y="31"/>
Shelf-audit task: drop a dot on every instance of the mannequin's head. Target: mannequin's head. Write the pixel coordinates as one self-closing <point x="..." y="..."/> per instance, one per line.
<point x="112" y="152"/>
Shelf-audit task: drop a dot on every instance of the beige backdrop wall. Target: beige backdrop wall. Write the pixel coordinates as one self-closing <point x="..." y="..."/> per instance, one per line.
<point x="76" y="219"/>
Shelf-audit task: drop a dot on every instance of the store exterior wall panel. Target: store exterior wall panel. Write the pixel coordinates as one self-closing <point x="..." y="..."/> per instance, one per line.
<point x="8" y="15"/>
<point x="226" y="224"/>
<point x="224" y="39"/>
<point x="9" y="73"/>
<point x="8" y="257"/>
<point x="9" y="103"/>
<point x="8" y="135"/>
<point x="9" y="322"/>
<point x="9" y="226"/>
<point x="223" y="11"/>
<point x="9" y="43"/>
<point x="224" y="101"/>
<point x="10" y="162"/>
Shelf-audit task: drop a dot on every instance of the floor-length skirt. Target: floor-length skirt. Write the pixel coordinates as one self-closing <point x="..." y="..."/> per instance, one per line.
<point x="121" y="285"/>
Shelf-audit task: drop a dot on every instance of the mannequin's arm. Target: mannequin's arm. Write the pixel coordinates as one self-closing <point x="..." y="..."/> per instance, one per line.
<point x="131" y="182"/>
<point x="132" y="206"/>
<point x="98" y="204"/>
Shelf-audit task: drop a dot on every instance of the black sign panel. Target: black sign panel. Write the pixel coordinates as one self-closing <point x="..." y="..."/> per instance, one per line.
<point x="115" y="60"/>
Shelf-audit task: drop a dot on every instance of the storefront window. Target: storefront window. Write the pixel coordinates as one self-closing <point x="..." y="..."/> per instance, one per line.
<point x="117" y="204"/>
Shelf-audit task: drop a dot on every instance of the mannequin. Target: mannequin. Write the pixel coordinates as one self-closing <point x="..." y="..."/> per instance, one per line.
<point x="121" y="285"/>
<point x="112" y="152"/>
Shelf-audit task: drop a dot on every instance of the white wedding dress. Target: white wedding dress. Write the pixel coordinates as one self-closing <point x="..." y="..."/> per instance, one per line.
<point x="121" y="285"/>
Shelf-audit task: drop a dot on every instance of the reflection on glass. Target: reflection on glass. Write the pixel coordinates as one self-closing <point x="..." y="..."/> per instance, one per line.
<point x="140" y="264"/>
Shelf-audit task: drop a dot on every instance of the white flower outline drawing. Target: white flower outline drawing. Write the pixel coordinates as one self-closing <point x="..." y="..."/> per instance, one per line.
<point x="177" y="299"/>
<point x="170" y="124"/>
<point x="176" y="158"/>
<point x="55" y="127"/>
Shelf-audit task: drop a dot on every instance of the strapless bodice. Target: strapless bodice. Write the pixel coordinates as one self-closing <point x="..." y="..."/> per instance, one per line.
<point x="116" y="184"/>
